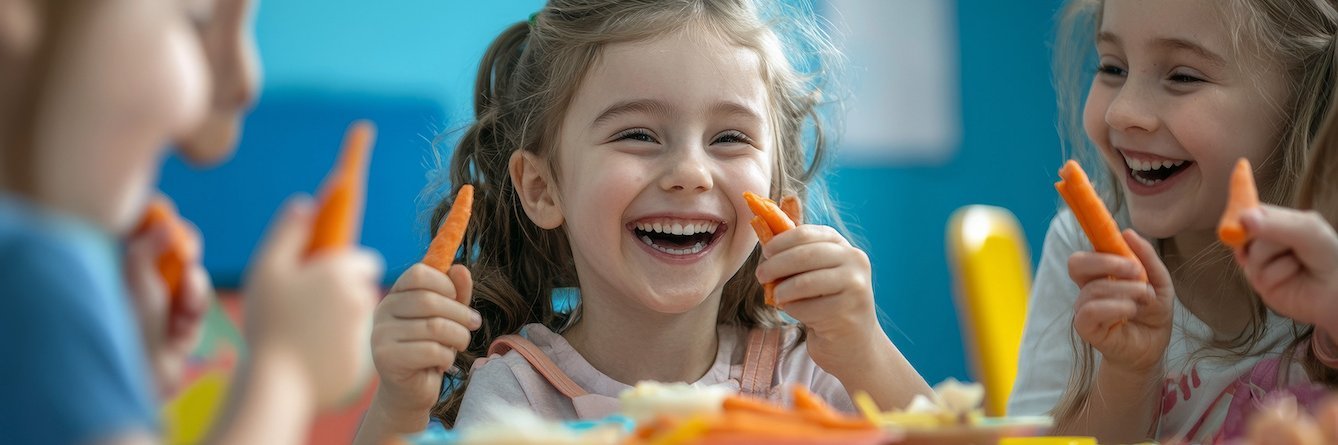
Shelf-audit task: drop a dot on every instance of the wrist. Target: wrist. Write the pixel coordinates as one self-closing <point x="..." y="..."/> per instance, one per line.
<point x="392" y="417"/>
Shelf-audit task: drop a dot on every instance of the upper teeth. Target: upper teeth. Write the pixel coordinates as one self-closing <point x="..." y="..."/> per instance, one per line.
<point x="678" y="227"/>
<point x="1140" y="165"/>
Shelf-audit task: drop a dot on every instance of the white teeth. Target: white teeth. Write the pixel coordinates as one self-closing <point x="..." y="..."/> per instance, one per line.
<point x="1138" y="165"/>
<point x="678" y="228"/>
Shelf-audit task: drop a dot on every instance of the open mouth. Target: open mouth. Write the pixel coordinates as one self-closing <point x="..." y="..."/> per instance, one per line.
<point x="1153" y="172"/>
<point x="678" y="236"/>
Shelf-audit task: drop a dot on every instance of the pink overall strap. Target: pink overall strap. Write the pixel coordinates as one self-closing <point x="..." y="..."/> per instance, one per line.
<point x="539" y="361"/>
<point x="759" y="362"/>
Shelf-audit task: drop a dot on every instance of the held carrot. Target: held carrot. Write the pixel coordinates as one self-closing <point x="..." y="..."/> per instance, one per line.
<point x="792" y="208"/>
<point x="769" y="211"/>
<point x="1243" y="197"/>
<point x="339" y="209"/>
<point x="441" y="253"/>
<point x="769" y="221"/>
<point x="172" y="261"/>
<point x="1091" y="214"/>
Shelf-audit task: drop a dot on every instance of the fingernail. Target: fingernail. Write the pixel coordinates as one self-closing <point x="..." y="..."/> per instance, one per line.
<point x="475" y="318"/>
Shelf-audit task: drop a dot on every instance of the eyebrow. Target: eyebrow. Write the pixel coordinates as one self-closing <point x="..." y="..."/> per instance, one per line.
<point x="640" y="106"/>
<point x="1173" y="44"/>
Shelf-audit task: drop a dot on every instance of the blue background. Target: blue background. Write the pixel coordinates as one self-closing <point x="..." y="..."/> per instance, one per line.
<point x="408" y="65"/>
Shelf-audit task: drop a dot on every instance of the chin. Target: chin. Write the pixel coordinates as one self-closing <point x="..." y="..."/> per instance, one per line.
<point x="214" y="142"/>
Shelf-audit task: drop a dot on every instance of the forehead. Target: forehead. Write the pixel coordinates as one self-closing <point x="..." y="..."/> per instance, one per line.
<point x="1167" y="23"/>
<point x="690" y="71"/>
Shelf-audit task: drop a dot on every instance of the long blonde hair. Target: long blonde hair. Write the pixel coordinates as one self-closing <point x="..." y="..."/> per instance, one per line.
<point x="1297" y="35"/>
<point x="525" y="83"/>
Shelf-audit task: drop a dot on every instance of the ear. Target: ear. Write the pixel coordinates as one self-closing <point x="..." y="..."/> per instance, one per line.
<point x="535" y="188"/>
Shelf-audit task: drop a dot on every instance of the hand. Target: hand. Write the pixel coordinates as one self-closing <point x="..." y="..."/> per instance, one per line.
<point x="826" y="283"/>
<point x="171" y="326"/>
<point x="316" y="309"/>
<point x="418" y="329"/>
<point x="1292" y="261"/>
<point x="1126" y="319"/>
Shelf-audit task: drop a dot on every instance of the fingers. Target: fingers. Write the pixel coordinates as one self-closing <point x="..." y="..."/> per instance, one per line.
<point x="288" y="235"/>
<point x="1085" y="267"/>
<point x="801" y="235"/>
<point x="1304" y="232"/>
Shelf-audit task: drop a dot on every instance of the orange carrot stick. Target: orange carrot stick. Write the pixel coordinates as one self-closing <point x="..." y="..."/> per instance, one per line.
<point x="769" y="211"/>
<point x="764" y="235"/>
<point x="1243" y="197"/>
<point x="770" y="220"/>
<point x="441" y="253"/>
<point x="818" y="411"/>
<point x="792" y="208"/>
<point x="339" y="211"/>
<point x="172" y="261"/>
<point x="1091" y="214"/>
<point x="741" y="403"/>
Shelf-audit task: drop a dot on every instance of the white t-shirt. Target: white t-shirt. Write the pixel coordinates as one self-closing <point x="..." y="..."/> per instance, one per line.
<point x="1190" y="389"/>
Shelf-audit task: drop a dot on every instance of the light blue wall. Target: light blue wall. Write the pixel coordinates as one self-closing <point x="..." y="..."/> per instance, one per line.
<point x="409" y="65"/>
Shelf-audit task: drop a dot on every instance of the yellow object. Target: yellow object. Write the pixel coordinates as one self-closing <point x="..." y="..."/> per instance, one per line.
<point x="990" y="260"/>
<point x="867" y="407"/>
<point x="187" y="418"/>
<point x="1047" y="441"/>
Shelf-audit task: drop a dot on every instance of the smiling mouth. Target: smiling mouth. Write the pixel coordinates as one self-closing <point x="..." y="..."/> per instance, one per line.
<point x="1154" y="172"/>
<point x="678" y="236"/>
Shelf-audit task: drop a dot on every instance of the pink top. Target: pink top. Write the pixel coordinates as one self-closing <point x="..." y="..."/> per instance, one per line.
<point x="513" y="380"/>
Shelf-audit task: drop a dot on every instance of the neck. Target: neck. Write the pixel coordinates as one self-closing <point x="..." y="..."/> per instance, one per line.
<point x="1200" y="268"/>
<point x="631" y="344"/>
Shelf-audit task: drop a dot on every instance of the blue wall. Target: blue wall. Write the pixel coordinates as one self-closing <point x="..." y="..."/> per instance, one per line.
<point x="408" y="65"/>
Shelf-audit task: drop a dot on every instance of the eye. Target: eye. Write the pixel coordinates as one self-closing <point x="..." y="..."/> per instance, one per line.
<point x="732" y="137"/>
<point x="635" y="134"/>
<point x="1184" y="78"/>
<point x="1111" y="70"/>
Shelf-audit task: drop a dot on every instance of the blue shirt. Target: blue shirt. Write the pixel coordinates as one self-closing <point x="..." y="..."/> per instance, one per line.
<point x="74" y="367"/>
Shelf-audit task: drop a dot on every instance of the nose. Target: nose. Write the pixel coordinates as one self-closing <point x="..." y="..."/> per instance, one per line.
<point x="687" y="170"/>
<point x="1132" y="108"/>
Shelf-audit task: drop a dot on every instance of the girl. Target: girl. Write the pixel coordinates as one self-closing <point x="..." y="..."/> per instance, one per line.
<point x="93" y="93"/>
<point x="612" y="146"/>
<point x="1183" y="89"/>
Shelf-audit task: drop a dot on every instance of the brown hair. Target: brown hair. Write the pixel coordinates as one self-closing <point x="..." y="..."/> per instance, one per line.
<point x="525" y="83"/>
<point x="1298" y="36"/>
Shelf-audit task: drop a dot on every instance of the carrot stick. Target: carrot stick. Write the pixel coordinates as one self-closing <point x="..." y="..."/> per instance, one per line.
<point x="769" y="211"/>
<point x="172" y="261"/>
<point x="441" y="253"/>
<point x="815" y="409"/>
<point x="792" y="208"/>
<point x="339" y="211"/>
<point x="741" y="403"/>
<point x="1092" y="215"/>
<point x="1243" y="197"/>
<point x="771" y="220"/>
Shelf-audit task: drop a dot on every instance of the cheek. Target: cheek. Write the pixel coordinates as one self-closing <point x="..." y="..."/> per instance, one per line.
<point x="1094" y="115"/>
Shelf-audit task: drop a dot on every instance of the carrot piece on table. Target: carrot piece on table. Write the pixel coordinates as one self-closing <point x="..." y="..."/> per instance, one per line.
<point x="742" y="403"/>
<point x="1091" y="214"/>
<point x="813" y="408"/>
<point x="1243" y="197"/>
<point x="339" y="209"/>
<point x="172" y="261"/>
<point x="441" y="253"/>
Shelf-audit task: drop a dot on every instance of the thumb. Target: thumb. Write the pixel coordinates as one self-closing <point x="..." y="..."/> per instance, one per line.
<point x="1158" y="276"/>
<point x="463" y="281"/>
<point x="288" y="234"/>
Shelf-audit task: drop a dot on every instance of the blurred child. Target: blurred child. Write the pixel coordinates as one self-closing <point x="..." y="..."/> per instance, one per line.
<point x="93" y="94"/>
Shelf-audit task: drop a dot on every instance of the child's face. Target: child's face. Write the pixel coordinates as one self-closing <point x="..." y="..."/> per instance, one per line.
<point x="668" y="132"/>
<point x="137" y="76"/>
<point x="1172" y="109"/>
